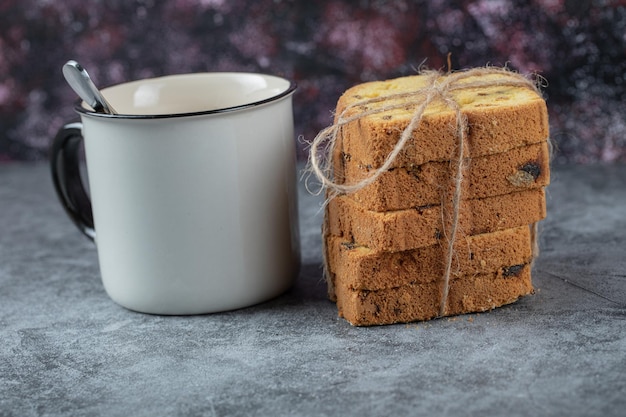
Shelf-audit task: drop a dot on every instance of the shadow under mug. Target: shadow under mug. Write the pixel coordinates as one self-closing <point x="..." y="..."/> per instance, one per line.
<point x="192" y="196"/>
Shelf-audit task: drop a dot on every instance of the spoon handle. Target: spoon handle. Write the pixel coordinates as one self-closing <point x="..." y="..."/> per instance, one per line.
<point x="78" y="78"/>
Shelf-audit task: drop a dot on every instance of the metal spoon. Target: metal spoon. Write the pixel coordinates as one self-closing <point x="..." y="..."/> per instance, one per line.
<point x="77" y="77"/>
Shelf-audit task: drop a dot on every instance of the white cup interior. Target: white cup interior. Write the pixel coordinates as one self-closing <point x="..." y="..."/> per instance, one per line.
<point x="192" y="93"/>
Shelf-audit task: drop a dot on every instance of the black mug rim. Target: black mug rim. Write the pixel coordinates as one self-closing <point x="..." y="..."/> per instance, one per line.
<point x="78" y="107"/>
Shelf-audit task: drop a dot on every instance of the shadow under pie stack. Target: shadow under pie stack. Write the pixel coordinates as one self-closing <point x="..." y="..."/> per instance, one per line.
<point x="393" y="250"/>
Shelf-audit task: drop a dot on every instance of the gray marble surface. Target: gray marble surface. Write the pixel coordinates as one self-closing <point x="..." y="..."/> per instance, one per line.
<point x="67" y="350"/>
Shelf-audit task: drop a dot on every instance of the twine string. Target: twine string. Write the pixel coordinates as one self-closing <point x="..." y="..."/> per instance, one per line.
<point x="437" y="88"/>
<point x="456" y="199"/>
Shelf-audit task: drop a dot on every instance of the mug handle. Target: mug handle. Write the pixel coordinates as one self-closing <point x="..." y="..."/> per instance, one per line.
<point x="64" y="164"/>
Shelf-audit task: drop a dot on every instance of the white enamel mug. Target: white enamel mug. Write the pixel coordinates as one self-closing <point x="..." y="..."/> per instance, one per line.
<point x="192" y="186"/>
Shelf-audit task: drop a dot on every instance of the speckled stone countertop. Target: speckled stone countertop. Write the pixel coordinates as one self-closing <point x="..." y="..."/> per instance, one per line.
<point x="67" y="349"/>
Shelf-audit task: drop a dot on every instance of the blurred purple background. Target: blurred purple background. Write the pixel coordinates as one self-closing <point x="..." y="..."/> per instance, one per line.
<point x="326" y="46"/>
